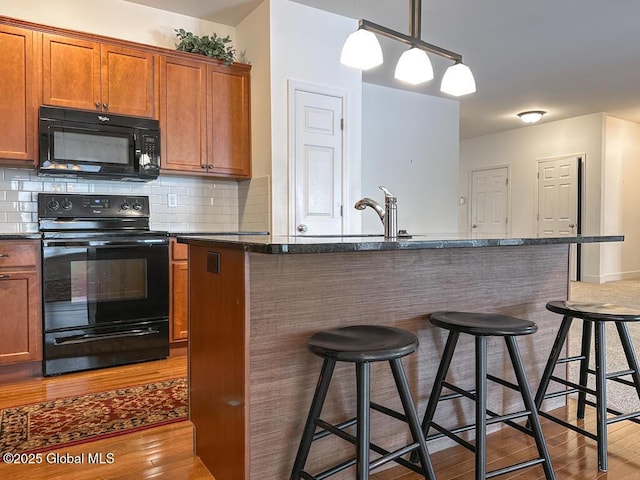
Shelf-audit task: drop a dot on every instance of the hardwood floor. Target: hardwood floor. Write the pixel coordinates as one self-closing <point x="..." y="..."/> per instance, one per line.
<point x="573" y="456"/>
<point x="162" y="453"/>
<point x="167" y="452"/>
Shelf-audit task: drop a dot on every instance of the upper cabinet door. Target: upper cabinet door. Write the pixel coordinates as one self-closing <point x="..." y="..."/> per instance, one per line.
<point x="229" y="120"/>
<point x="18" y="102"/>
<point x="70" y="73"/>
<point x="128" y="82"/>
<point x="92" y="76"/>
<point x="183" y="110"/>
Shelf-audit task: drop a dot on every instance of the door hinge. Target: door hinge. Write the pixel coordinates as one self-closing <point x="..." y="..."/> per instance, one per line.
<point x="342" y="124"/>
<point x="506" y="181"/>
<point x="341" y="211"/>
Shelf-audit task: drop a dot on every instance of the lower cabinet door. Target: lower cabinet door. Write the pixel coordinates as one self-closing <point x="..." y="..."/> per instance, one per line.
<point x="21" y="327"/>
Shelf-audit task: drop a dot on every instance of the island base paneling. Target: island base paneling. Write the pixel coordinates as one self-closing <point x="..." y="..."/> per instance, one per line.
<point x="287" y="298"/>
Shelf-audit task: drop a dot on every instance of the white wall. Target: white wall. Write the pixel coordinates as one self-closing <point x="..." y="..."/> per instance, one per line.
<point x="621" y="198"/>
<point x="410" y="145"/>
<point x="112" y="18"/>
<point x="305" y="46"/>
<point x="611" y="151"/>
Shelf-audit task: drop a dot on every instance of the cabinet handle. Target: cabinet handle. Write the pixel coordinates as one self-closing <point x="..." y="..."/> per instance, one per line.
<point x="210" y="165"/>
<point x="4" y="275"/>
<point x="203" y="166"/>
<point x="106" y="106"/>
<point x="5" y="255"/>
<point x="97" y="104"/>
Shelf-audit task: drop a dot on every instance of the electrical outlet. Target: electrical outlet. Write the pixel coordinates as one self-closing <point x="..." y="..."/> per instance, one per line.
<point x="172" y="199"/>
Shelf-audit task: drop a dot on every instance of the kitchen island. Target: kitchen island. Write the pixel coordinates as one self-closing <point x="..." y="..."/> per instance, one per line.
<point x="254" y="301"/>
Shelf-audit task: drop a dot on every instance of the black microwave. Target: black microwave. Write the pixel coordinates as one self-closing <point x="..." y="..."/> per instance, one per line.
<point x="78" y="143"/>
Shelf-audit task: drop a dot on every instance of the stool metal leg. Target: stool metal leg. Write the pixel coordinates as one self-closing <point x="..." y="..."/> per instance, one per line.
<point x="630" y="353"/>
<point x="527" y="398"/>
<point x="363" y="380"/>
<point x="319" y="396"/>
<point x="443" y="368"/>
<point x="556" y="350"/>
<point x="601" y="394"/>
<point x="481" y="408"/>
<point x="412" y="417"/>
<point x="585" y="353"/>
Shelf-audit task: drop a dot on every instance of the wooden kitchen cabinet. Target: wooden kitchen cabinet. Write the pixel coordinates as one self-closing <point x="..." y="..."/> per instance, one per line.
<point x="81" y="73"/>
<point x="18" y="101"/>
<point x="20" y="302"/>
<point x="178" y="286"/>
<point x="205" y="117"/>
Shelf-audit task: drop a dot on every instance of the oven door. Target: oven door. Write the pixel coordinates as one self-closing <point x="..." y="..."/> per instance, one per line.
<point x="104" y="282"/>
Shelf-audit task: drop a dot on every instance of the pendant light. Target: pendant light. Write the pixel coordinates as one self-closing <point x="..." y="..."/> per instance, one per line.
<point x="362" y="50"/>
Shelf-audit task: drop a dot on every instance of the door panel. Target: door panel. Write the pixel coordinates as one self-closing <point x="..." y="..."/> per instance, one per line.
<point x="558" y="197"/>
<point x="490" y="201"/>
<point x="317" y="163"/>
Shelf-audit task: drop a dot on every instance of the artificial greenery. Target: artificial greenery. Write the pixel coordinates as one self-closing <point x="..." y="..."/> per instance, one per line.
<point x="211" y="46"/>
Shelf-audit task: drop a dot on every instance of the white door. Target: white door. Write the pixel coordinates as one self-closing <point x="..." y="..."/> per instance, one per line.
<point x="317" y="163"/>
<point x="558" y="197"/>
<point x="490" y="201"/>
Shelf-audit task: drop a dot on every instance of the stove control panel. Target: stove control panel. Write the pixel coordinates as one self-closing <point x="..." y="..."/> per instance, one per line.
<point x="56" y="205"/>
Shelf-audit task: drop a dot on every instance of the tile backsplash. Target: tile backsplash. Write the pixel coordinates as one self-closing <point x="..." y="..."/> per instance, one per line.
<point x="203" y="204"/>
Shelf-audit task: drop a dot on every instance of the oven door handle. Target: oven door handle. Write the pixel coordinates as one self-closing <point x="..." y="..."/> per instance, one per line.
<point x="101" y="336"/>
<point x="111" y="242"/>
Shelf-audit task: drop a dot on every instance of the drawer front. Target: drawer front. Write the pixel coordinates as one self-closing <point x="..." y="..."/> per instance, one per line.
<point x="18" y="254"/>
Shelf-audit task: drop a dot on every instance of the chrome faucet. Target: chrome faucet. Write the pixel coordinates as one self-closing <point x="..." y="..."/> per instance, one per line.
<point x="388" y="214"/>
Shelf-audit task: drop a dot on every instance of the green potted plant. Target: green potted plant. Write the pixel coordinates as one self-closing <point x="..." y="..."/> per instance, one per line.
<point x="212" y="46"/>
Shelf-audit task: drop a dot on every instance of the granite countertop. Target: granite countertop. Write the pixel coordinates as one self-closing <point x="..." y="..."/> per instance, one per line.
<point x="276" y="244"/>
<point x="20" y="236"/>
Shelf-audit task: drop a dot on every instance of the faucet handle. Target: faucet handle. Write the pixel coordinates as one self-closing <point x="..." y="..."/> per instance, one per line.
<point x="387" y="193"/>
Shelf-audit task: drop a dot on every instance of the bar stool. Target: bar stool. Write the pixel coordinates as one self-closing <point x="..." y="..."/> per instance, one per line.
<point x="598" y="315"/>
<point x="362" y="345"/>
<point x="481" y="326"/>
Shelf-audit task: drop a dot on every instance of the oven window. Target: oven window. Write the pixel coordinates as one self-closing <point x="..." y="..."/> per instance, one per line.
<point x="108" y="280"/>
<point x="91" y="148"/>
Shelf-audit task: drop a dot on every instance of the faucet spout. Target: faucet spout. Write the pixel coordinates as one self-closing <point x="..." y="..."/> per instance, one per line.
<point x="368" y="202"/>
<point x="387" y="214"/>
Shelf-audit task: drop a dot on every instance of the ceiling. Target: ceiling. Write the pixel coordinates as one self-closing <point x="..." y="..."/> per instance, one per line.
<point x="567" y="57"/>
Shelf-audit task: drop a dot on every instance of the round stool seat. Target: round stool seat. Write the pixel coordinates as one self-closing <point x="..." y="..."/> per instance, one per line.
<point x="363" y="343"/>
<point x="483" y="324"/>
<point x="594" y="311"/>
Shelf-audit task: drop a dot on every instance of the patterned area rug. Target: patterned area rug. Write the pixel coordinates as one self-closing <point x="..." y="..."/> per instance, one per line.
<point x="67" y="421"/>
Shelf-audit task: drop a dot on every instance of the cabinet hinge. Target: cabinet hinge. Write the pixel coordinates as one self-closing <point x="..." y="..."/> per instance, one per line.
<point x="341" y="211"/>
<point x="342" y="124"/>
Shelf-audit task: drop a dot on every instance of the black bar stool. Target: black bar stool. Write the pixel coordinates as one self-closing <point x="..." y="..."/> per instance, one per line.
<point x="598" y="315"/>
<point x="481" y="326"/>
<point x="362" y="345"/>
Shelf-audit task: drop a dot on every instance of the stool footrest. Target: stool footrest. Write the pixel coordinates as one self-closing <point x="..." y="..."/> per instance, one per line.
<point x="387" y="456"/>
<point x="570" y="359"/>
<point x="573" y="385"/>
<point x="615" y="376"/>
<point x="568" y="425"/>
<point x="388" y="411"/>
<point x="619" y="416"/>
<point x="329" y="472"/>
<point x="503" y="382"/>
<point x="515" y="467"/>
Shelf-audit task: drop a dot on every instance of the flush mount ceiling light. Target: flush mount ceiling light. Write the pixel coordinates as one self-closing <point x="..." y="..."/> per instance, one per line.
<point x="362" y="50"/>
<point x="531" y="116"/>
